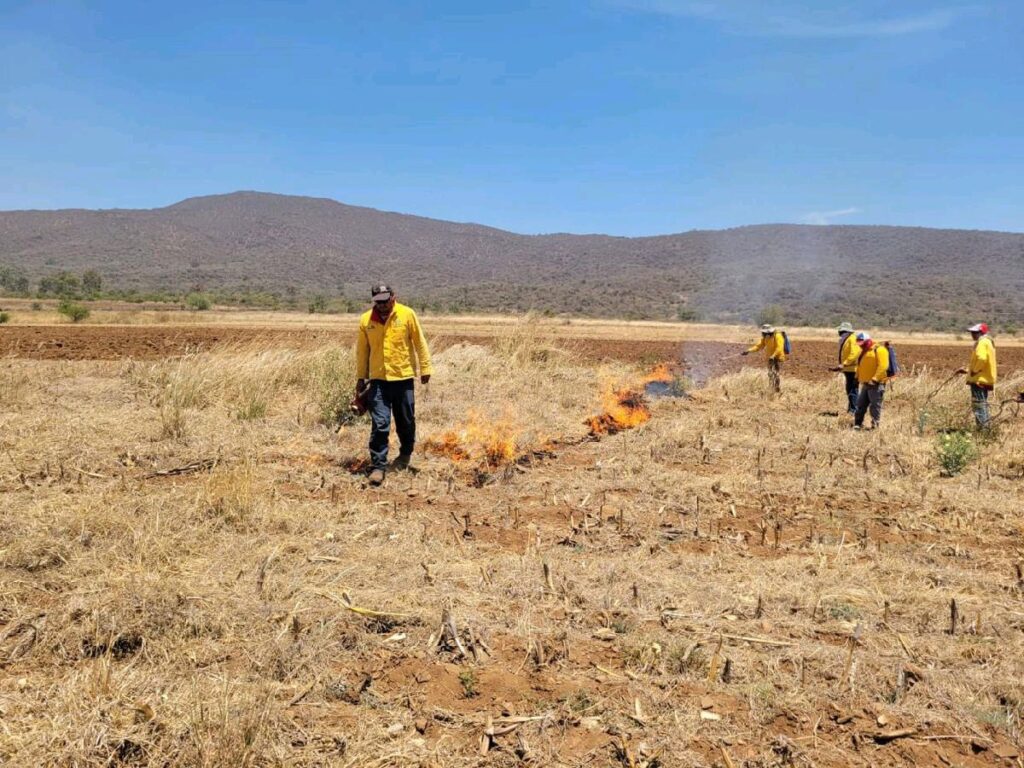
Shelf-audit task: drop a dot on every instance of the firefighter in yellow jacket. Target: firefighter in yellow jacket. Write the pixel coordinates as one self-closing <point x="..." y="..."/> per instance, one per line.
<point x="774" y="345"/>
<point x="981" y="372"/>
<point x="390" y="346"/>
<point x="849" y="354"/>
<point x="872" y="373"/>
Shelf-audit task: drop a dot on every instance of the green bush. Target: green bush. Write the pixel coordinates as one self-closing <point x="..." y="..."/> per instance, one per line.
<point x="73" y="311"/>
<point x="200" y="302"/>
<point x="773" y="314"/>
<point x="955" y="451"/>
<point x="317" y="305"/>
<point x="331" y="383"/>
<point x="5" y="317"/>
<point x="92" y="282"/>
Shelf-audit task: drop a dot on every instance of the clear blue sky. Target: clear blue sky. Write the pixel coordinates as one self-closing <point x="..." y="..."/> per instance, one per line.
<point x="621" y="116"/>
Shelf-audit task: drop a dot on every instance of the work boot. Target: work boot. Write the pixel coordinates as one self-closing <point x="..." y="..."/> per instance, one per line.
<point x="376" y="476"/>
<point x="402" y="462"/>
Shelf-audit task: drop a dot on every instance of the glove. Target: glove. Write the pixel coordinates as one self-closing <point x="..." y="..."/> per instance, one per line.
<point x="360" y="385"/>
<point x="425" y="378"/>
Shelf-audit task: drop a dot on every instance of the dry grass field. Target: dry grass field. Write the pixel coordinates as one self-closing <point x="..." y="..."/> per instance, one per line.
<point x="194" y="573"/>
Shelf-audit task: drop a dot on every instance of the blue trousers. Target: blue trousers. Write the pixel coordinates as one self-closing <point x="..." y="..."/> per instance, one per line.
<point x="852" y="389"/>
<point x="387" y="398"/>
<point x="979" y="402"/>
<point x="870" y="396"/>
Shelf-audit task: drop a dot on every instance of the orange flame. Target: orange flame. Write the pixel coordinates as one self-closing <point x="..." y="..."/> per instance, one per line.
<point x="492" y="443"/>
<point x="661" y="373"/>
<point x="624" y="408"/>
<point x="356" y="464"/>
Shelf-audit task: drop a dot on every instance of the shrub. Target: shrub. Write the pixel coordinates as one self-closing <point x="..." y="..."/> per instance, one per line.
<point x="92" y="282"/>
<point x="5" y="317"/>
<point x="199" y="302"/>
<point x="772" y="314"/>
<point x="63" y="284"/>
<point x="317" y="305"/>
<point x="955" y="451"/>
<point x="73" y="311"/>
<point x="469" y="683"/>
<point x="331" y="382"/>
<point x="37" y="306"/>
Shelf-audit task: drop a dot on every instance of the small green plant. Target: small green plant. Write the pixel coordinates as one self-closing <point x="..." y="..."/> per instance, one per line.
<point x="467" y="678"/>
<point x="686" y="659"/>
<point x="37" y="306"/>
<point x="331" y="382"/>
<point x="5" y="317"/>
<point x="580" y="702"/>
<point x="73" y="311"/>
<point x="199" y="302"/>
<point x="922" y="422"/>
<point x="842" y="611"/>
<point x="955" y="451"/>
<point x="317" y="305"/>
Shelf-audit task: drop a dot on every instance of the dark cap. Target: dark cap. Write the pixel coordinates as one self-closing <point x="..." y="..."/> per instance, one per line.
<point x="381" y="292"/>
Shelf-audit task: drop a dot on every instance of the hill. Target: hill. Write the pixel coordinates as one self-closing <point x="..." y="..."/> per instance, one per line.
<point x="247" y="240"/>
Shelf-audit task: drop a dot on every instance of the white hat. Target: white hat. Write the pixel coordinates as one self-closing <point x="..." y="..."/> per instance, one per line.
<point x="863" y="336"/>
<point x="766" y="328"/>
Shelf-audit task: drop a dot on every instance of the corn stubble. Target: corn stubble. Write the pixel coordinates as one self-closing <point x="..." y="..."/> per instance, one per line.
<point x="190" y="575"/>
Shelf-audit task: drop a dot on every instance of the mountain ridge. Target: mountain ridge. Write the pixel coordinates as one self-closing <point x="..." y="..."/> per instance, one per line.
<point x="248" y="240"/>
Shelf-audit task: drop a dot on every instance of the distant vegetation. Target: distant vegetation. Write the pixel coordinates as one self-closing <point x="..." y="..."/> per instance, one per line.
<point x="279" y="252"/>
<point x="73" y="311"/>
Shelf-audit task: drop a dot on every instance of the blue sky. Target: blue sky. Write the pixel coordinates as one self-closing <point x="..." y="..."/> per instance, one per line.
<point x="628" y="117"/>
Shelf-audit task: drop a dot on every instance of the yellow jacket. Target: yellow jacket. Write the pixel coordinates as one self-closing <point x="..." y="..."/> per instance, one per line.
<point x="982" y="370"/>
<point x="873" y="365"/>
<point x="849" y="353"/>
<point x="774" y="346"/>
<point x="391" y="351"/>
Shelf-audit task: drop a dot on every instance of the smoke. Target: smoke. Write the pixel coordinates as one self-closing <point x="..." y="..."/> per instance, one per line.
<point x="823" y="218"/>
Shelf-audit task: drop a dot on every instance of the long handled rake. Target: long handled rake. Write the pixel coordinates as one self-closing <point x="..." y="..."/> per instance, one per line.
<point x="1000" y="417"/>
<point x="938" y="389"/>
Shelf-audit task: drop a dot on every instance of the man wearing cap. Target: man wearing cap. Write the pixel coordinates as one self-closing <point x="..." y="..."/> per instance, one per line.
<point x="774" y="345"/>
<point x="390" y="346"/>
<point x="872" y="373"/>
<point x="849" y="354"/>
<point x="981" y="372"/>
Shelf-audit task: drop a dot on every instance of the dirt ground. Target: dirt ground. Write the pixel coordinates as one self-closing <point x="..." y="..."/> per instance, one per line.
<point x="193" y="570"/>
<point x="699" y="358"/>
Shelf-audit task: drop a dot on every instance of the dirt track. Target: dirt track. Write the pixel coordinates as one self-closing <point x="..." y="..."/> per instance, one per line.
<point x="702" y="358"/>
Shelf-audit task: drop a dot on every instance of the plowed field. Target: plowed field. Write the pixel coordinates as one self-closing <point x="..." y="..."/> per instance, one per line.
<point x="702" y="358"/>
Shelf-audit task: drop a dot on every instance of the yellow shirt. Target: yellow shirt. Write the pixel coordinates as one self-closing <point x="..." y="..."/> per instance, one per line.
<point x="391" y="351"/>
<point x="774" y="346"/>
<point x="982" y="370"/>
<point x="873" y="365"/>
<point x="849" y="354"/>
